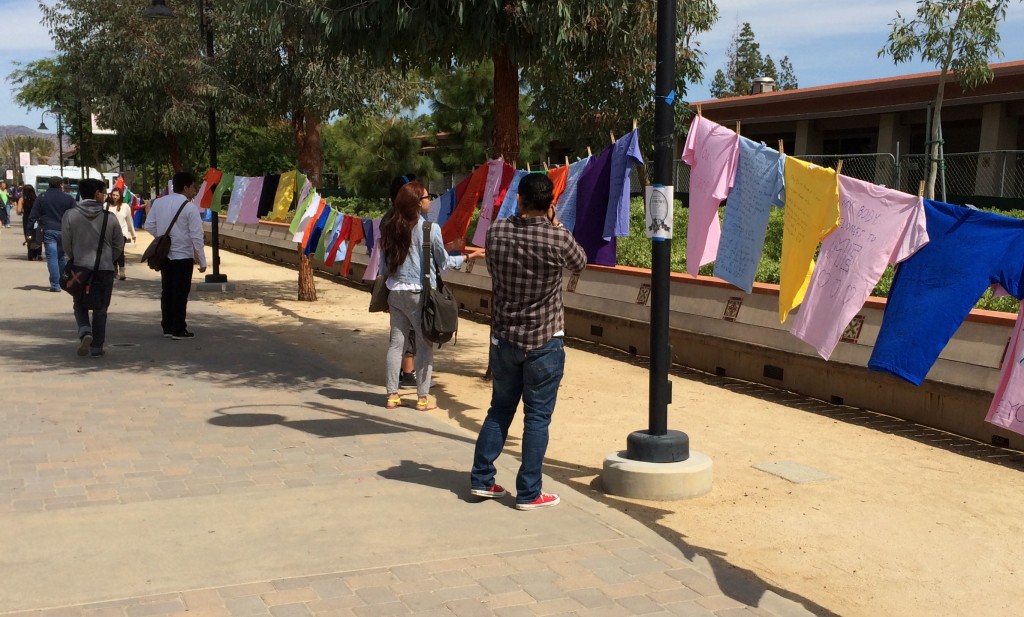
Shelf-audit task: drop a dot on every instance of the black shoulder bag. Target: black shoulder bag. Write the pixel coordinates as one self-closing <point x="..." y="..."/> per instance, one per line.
<point x="158" y="250"/>
<point x="77" y="280"/>
<point x="439" y="314"/>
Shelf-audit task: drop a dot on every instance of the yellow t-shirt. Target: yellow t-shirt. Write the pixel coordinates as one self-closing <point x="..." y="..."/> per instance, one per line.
<point x="810" y="215"/>
<point x="283" y="197"/>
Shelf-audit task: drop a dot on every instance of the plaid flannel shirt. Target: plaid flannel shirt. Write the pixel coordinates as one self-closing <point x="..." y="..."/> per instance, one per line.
<point x="525" y="257"/>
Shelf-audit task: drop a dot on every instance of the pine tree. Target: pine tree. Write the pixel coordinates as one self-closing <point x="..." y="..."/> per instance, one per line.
<point x="744" y="63"/>
<point x="786" y="79"/>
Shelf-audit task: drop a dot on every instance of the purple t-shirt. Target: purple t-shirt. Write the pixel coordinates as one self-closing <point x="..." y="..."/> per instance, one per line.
<point x="592" y="193"/>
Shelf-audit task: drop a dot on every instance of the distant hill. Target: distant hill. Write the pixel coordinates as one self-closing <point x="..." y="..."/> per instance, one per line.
<point x="17" y="129"/>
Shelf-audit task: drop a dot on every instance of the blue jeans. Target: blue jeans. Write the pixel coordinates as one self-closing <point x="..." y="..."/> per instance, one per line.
<point x="102" y="286"/>
<point x="534" y="377"/>
<point x="55" y="258"/>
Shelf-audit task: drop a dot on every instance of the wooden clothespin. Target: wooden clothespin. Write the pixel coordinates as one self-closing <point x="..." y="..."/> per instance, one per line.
<point x="699" y="112"/>
<point x="920" y="189"/>
<point x="589" y="153"/>
<point x="782" y="150"/>
<point x="566" y="160"/>
<point x="528" y="170"/>
<point x="634" y="124"/>
<point x="612" y="135"/>
<point x="839" y="167"/>
<point x="737" y="127"/>
<point x="546" y="168"/>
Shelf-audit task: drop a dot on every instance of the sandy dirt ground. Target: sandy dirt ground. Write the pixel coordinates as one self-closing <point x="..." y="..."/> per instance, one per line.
<point x="914" y="521"/>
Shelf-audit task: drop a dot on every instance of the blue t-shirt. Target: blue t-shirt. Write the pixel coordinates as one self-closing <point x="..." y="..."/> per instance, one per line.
<point x="318" y="230"/>
<point x="625" y="154"/>
<point x="937" y="287"/>
<point x="759" y="180"/>
<point x="509" y="203"/>
<point x="566" y="206"/>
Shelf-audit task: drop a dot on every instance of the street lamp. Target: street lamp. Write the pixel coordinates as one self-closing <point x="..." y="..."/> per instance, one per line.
<point x="159" y="10"/>
<point x="56" y="111"/>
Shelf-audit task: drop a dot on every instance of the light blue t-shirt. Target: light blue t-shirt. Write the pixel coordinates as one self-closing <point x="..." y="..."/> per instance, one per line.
<point x="759" y="180"/>
<point x="508" y="204"/>
<point x="625" y="154"/>
<point x="566" y="206"/>
<point x="935" y="289"/>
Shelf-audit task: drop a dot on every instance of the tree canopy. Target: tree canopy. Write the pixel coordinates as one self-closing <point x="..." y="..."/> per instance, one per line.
<point x="958" y="36"/>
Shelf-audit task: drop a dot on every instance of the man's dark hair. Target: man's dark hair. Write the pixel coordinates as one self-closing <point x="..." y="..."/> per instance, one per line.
<point x="535" y="193"/>
<point x="56" y="182"/>
<point x="181" y="180"/>
<point x="87" y="188"/>
<point x="398" y="183"/>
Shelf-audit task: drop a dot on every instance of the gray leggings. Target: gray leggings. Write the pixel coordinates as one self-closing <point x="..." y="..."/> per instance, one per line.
<point x="405" y="317"/>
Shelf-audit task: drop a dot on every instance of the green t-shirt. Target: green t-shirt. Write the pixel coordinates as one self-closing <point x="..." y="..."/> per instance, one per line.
<point x="4" y="196"/>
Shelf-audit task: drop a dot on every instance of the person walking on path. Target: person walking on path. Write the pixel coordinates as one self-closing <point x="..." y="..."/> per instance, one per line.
<point x="122" y="212"/>
<point x="33" y="240"/>
<point x="525" y="255"/>
<point x="80" y="235"/>
<point x="48" y="212"/>
<point x="186" y="248"/>
<point x="5" y="206"/>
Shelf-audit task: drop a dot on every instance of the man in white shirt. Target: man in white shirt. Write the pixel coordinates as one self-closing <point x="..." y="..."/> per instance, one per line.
<point x="186" y="246"/>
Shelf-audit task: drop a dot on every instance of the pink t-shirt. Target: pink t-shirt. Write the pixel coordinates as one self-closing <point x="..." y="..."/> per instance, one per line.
<point x="712" y="152"/>
<point x="1007" y="409"/>
<point x="878" y="226"/>
<point x="495" y="170"/>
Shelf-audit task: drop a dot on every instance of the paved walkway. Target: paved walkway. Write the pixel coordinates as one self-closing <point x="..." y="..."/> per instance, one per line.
<point x="237" y="475"/>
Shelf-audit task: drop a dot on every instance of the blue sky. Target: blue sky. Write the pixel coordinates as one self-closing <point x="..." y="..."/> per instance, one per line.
<point x="835" y="42"/>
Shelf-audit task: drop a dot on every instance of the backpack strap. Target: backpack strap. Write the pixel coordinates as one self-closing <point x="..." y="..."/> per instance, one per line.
<point x="425" y="262"/>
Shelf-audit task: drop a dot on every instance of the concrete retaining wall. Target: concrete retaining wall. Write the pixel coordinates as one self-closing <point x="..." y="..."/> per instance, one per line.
<point x="716" y="328"/>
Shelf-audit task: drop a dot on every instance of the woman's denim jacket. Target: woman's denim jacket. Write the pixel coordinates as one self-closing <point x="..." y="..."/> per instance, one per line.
<point x="409" y="271"/>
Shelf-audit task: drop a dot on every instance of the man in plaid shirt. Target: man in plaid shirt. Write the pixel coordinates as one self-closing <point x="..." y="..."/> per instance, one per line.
<point x="525" y="255"/>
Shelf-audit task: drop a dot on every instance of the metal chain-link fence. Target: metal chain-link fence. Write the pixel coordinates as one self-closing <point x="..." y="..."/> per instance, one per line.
<point x="995" y="173"/>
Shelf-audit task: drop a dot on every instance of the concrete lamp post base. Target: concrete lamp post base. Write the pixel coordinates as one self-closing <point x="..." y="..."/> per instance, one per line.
<point x="657" y="481"/>
<point x="214" y="286"/>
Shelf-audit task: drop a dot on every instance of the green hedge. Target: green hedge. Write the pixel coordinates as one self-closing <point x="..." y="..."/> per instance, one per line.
<point x="636" y="251"/>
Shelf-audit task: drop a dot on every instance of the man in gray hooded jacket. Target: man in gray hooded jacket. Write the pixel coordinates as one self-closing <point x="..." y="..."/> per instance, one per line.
<point x="80" y="235"/>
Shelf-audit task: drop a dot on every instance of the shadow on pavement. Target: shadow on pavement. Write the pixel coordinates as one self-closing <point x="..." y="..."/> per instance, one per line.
<point x="424" y="474"/>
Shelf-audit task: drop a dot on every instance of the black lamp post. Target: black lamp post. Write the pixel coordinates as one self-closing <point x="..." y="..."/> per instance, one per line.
<point x="56" y="112"/>
<point x="658" y="444"/>
<point x="160" y="10"/>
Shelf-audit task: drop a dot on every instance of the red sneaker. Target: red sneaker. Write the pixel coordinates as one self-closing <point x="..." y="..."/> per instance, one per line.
<point x="494" y="492"/>
<point x="545" y="500"/>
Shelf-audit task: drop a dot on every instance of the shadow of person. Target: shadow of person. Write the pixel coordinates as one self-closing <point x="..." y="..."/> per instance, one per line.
<point x="428" y="475"/>
<point x="33" y="288"/>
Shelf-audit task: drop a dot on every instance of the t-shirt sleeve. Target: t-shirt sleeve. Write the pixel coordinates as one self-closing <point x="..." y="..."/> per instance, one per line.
<point x="914" y="235"/>
<point x="690" y="149"/>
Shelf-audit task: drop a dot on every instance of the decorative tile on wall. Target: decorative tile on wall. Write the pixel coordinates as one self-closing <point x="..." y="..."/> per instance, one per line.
<point x="732" y="308"/>
<point x="852" y="331"/>
<point x="644" y="295"/>
<point x="573" y="280"/>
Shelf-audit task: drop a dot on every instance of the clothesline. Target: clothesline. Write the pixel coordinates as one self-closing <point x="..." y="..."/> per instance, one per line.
<point x="947" y="255"/>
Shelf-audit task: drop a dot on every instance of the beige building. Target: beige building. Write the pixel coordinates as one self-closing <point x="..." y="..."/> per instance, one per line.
<point x="879" y="128"/>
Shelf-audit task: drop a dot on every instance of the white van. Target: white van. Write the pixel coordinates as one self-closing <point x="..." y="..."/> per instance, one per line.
<point x="39" y="176"/>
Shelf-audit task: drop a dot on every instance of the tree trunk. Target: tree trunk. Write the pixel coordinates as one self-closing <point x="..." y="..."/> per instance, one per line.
<point x="306" y="130"/>
<point x="936" y="132"/>
<point x="174" y="152"/>
<point x="506" y="107"/>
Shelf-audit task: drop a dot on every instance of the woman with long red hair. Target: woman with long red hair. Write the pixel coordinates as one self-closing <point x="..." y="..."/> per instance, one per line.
<point x="401" y="241"/>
